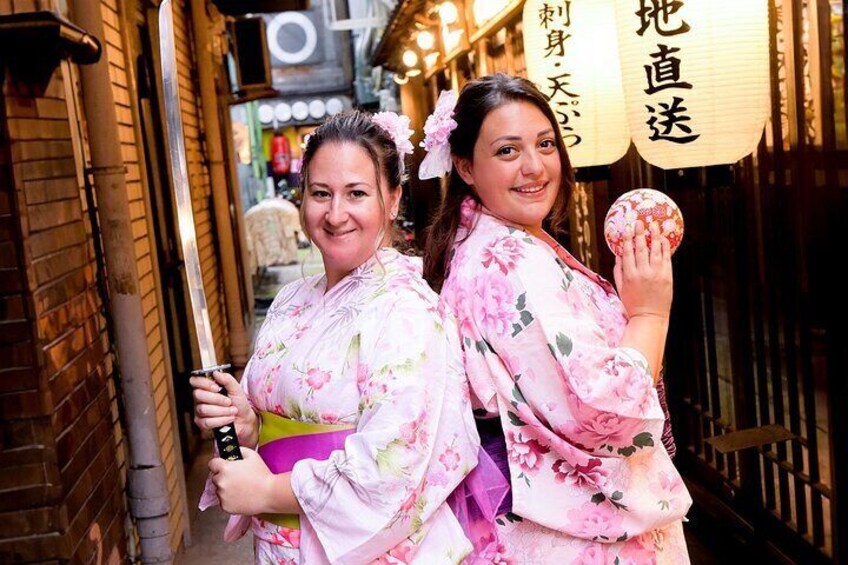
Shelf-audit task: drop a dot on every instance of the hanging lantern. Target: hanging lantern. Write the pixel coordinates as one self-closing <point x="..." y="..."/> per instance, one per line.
<point x="696" y="78"/>
<point x="572" y="56"/>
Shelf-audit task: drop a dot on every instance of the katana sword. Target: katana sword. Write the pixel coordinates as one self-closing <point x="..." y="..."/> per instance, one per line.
<point x="225" y="436"/>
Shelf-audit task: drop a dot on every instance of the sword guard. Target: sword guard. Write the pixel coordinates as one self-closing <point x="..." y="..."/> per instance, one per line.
<point x="226" y="439"/>
<point x="208" y="372"/>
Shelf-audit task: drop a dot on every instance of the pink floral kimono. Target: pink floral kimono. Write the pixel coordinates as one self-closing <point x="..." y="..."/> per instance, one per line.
<point x="373" y="353"/>
<point x="581" y="421"/>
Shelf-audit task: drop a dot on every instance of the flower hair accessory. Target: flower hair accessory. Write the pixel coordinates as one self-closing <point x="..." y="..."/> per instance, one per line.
<point x="437" y="131"/>
<point x="397" y="126"/>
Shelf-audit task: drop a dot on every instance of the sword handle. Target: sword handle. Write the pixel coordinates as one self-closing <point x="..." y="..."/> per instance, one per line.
<point x="226" y="439"/>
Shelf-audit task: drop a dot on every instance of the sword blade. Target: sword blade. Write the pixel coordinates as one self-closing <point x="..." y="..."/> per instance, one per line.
<point x="182" y="194"/>
<point x="225" y="436"/>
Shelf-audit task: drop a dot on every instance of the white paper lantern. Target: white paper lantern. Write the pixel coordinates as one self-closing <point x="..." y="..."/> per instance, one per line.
<point x="572" y="56"/>
<point x="266" y="113"/>
<point x="696" y="78"/>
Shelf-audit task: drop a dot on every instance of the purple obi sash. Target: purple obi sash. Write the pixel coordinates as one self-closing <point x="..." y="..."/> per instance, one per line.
<point x="284" y="442"/>
<point x="485" y="493"/>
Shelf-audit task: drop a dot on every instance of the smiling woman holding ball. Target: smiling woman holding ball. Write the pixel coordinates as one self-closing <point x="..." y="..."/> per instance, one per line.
<point x="563" y="369"/>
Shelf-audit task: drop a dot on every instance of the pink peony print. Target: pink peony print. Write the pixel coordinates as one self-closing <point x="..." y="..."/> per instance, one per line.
<point x="632" y="385"/>
<point x="450" y="459"/>
<point x="602" y="428"/>
<point x="317" y="378"/>
<point x="401" y="554"/>
<point x="592" y="521"/>
<point x="494" y="307"/>
<point x="527" y="453"/>
<point x="361" y="375"/>
<point x="437" y="478"/>
<point x="286" y="537"/>
<point x="460" y="301"/>
<point x="592" y="474"/>
<point x="595" y="554"/>
<point x="504" y="253"/>
<point x="636" y="552"/>
<point x="669" y="490"/>
<point x="413" y="433"/>
<point x="329" y="418"/>
<point x="491" y="550"/>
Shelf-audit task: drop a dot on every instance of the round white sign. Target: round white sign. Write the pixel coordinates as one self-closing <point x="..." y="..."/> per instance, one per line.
<point x="334" y="106"/>
<point x="299" y="20"/>
<point x="300" y="110"/>
<point x="317" y="109"/>
<point x="266" y="114"/>
<point x="283" y="112"/>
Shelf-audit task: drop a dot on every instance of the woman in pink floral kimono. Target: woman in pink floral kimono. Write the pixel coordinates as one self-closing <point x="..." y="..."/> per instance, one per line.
<point x="564" y="367"/>
<point x="355" y="396"/>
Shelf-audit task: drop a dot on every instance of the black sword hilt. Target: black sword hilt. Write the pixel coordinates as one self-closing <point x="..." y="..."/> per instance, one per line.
<point x="226" y="439"/>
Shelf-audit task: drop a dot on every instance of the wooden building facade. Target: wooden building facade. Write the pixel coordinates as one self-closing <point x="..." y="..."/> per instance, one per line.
<point x="69" y="485"/>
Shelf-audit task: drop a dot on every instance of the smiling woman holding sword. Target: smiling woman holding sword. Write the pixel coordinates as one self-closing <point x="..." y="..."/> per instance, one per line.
<point x="355" y="394"/>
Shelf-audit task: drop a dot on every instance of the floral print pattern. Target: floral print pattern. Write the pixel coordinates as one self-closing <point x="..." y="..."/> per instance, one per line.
<point x="373" y="352"/>
<point x="590" y="477"/>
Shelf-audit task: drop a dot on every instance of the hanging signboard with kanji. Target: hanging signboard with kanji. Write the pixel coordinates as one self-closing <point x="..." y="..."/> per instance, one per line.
<point x="572" y="56"/>
<point x="696" y="78"/>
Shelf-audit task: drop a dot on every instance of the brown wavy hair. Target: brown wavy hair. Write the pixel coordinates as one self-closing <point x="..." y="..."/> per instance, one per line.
<point x="477" y="99"/>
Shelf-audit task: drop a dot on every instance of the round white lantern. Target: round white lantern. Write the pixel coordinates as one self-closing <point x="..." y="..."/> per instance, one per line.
<point x="572" y="56"/>
<point x="266" y="113"/>
<point x="300" y="110"/>
<point x="283" y="112"/>
<point x="696" y="78"/>
<point x="317" y="109"/>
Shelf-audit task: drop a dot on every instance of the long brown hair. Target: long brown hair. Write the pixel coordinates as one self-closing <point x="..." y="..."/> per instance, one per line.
<point x="477" y="99"/>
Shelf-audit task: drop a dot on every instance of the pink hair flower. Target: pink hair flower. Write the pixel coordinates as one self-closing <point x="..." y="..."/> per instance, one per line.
<point x="397" y="126"/>
<point x="437" y="131"/>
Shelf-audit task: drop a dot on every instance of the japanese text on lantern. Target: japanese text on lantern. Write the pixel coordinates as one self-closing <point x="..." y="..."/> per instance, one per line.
<point x="667" y="117"/>
<point x="555" y="20"/>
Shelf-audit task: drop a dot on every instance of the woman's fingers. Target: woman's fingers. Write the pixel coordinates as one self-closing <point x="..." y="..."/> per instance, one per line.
<point x="656" y="256"/>
<point x="204" y="383"/>
<point x="227" y="381"/>
<point x="213" y="411"/>
<point x="215" y="398"/>
<point x="640" y="245"/>
<point x="212" y="423"/>
<point x="616" y="272"/>
<point x="628" y="259"/>
<point x="665" y="246"/>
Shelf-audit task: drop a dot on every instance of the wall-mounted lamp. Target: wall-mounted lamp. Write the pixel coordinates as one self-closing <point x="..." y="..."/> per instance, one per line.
<point x="410" y="58"/>
<point x="448" y="12"/>
<point x="425" y="40"/>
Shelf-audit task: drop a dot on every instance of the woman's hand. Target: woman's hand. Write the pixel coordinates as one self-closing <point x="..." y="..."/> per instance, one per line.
<point x="643" y="274"/>
<point x="644" y="281"/>
<point x="248" y="487"/>
<point x="213" y="410"/>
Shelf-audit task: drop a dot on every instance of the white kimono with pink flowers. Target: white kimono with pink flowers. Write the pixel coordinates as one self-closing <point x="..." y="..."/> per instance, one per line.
<point x="375" y="353"/>
<point x="591" y="481"/>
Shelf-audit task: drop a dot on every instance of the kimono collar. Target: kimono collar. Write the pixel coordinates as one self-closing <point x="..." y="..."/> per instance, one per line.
<point x="383" y="261"/>
<point x="471" y="211"/>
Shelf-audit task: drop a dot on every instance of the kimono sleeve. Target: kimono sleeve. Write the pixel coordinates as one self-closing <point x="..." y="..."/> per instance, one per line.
<point x="415" y="440"/>
<point x="562" y="370"/>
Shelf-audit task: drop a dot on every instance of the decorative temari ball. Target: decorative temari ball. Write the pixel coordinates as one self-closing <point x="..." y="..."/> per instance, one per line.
<point x="650" y="206"/>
